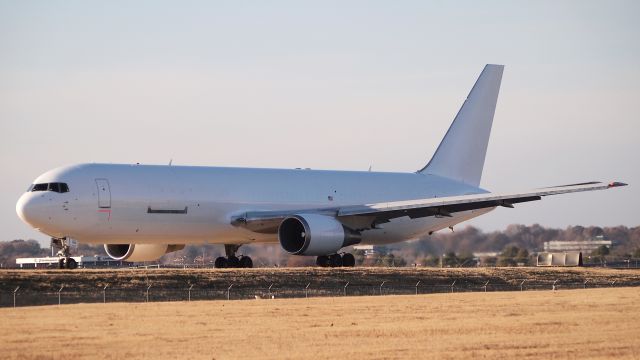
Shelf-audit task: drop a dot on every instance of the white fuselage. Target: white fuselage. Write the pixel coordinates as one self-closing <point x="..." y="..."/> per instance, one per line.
<point x="143" y="204"/>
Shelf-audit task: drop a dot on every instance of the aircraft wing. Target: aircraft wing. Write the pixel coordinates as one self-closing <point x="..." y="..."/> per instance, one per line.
<point x="368" y="216"/>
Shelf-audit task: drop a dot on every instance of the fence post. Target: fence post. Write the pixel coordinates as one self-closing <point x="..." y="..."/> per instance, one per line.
<point x="104" y="294"/>
<point x="59" y="291"/>
<point x="381" y="285"/>
<point x="148" y="287"/>
<point x="270" y="296"/>
<point x="553" y="287"/>
<point x="14" y="295"/>
<point x="228" y="291"/>
<point x="418" y="283"/>
<point x="345" y="288"/>
<point x="485" y="286"/>
<point x="190" y="287"/>
<point x="452" y="285"/>
<point x="306" y="290"/>
<point x="521" y="284"/>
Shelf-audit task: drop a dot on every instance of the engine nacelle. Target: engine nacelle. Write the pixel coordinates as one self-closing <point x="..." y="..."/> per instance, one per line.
<point x="313" y="234"/>
<point x="139" y="252"/>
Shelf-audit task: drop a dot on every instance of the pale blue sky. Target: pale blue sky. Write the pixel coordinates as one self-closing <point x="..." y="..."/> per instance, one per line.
<point x="326" y="85"/>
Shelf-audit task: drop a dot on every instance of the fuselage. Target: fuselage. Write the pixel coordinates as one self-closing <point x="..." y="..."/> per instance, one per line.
<point x="147" y="204"/>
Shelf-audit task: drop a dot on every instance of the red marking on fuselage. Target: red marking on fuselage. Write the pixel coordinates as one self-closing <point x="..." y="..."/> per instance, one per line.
<point x="106" y="211"/>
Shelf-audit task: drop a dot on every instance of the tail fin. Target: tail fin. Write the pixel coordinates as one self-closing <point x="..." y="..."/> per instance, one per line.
<point x="461" y="153"/>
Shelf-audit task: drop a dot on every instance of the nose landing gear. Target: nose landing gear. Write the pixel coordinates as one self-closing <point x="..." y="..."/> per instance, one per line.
<point x="231" y="261"/>
<point x="65" y="260"/>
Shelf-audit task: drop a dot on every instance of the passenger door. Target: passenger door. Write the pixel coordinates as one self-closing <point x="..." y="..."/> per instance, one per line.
<point x="104" y="193"/>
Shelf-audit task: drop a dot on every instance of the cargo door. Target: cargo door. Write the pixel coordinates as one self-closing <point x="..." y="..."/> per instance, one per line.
<point x="104" y="193"/>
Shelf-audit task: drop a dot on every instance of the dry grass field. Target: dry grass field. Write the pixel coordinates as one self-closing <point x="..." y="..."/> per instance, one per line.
<point x="591" y="323"/>
<point x="86" y="279"/>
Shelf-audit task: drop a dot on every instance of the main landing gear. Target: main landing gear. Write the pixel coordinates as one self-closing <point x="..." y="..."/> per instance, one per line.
<point x="336" y="260"/>
<point x="65" y="260"/>
<point x="231" y="261"/>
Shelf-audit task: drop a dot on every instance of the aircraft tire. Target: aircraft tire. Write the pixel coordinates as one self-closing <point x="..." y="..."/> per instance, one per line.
<point x="322" y="261"/>
<point x="71" y="264"/>
<point x="233" y="262"/>
<point x="335" y="260"/>
<point x="220" y="263"/>
<point x="348" y="260"/>
<point x="246" y="262"/>
<point x="61" y="263"/>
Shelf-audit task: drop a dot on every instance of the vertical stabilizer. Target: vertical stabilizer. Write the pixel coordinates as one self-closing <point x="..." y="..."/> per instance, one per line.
<point x="460" y="155"/>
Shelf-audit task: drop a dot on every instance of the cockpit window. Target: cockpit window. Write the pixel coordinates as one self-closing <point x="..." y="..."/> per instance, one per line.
<point x="40" y="187"/>
<point x="57" y="187"/>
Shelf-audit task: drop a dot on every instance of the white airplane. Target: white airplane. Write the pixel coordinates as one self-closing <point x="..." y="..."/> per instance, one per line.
<point x="141" y="212"/>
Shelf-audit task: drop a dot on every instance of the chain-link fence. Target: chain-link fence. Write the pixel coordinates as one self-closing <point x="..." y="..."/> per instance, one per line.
<point x="18" y="297"/>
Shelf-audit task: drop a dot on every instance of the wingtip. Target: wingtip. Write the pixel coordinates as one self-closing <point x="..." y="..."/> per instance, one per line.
<point x="616" y="184"/>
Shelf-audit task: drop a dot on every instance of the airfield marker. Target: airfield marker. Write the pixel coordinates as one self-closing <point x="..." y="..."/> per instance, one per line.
<point x="104" y="294"/>
<point x="229" y="290"/>
<point x="14" y="296"/>
<point x="59" y="291"/>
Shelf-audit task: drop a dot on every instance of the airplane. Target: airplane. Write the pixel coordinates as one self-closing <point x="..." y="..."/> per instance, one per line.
<point x="141" y="212"/>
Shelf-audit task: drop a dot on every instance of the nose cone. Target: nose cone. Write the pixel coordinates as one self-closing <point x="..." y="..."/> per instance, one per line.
<point x="27" y="209"/>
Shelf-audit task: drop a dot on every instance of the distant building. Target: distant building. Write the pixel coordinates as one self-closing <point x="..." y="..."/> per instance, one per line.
<point x="83" y="262"/>
<point x="586" y="246"/>
<point x="371" y="250"/>
<point x="569" y="258"/>
<point x="485" y="254"/>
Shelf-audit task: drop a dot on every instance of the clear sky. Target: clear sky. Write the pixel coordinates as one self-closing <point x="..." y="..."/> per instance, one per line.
<point x="325" y="85"/>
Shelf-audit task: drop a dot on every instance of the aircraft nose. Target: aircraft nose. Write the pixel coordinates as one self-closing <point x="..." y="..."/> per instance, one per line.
<point x="27" y="209"/>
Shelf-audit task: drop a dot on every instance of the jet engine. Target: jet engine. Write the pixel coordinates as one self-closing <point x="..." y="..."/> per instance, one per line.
<point x="313" y="234"/>
<point x="139" y="252"/>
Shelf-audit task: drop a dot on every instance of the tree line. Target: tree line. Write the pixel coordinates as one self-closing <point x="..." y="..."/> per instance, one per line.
<point x="514" y="246"/>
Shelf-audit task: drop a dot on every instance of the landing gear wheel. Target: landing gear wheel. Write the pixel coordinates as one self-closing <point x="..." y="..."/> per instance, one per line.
<point x="61" y="263"/>
<point x="220" y="263"/>
<point x="71" y="264"/>
<point x="335" y="260"/>
<point x="246" y="262"/>
<point x="348" y="260"/>
<point x="233" y="262"/>
<point x="322" y="261"/>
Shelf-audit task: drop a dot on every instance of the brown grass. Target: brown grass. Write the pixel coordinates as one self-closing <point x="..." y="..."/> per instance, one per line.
<point x="51" y="280"/>
<point x="592" y="323"/>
